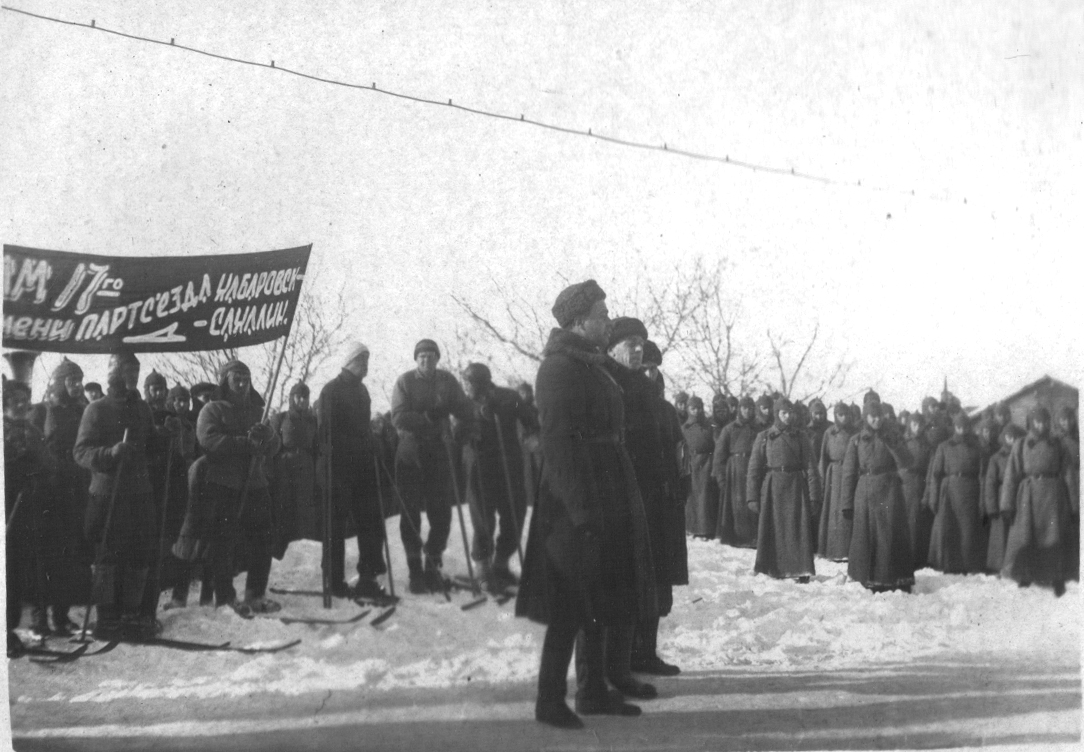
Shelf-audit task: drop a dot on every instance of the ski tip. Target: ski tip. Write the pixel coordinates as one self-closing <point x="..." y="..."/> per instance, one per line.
<point x="473" y="604"/>
<point x="382" y="618"/>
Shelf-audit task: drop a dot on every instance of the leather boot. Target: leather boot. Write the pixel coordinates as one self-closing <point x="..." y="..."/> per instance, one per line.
<point x="502" y="573"/>
<point x="103" y="587"/>
<point x="417" y="584"/>
<point x="618" y="655"/>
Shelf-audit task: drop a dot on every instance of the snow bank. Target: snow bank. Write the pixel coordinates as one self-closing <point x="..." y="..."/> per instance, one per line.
<point x="726" y="618"/>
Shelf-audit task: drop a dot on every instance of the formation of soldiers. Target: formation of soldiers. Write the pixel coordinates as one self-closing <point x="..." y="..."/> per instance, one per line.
<point x="887" y="494"/>
<point x="115" y="496"/>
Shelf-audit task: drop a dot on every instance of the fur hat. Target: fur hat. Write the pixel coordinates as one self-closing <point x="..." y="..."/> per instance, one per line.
<point x="426" y="345"/>
<point x="624" y="327"/>
<point x="817" y="404"/>
<point x="681" y="397"/>
<point x="229" y="366"/>
<point x="302" y="388"/>
<point x="696" y="402"/>
<point x="747" y="401"/>
<point x="960" y="420"/>
<point x="841" y="410"/>
<point x="575" y="301"/>
<point x="65" y="370"/>
<point x="764" y="402"/>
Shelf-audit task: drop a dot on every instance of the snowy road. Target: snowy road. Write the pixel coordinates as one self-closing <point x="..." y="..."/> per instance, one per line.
<point x="965" y="661"/>
<point x="922" y="705"/>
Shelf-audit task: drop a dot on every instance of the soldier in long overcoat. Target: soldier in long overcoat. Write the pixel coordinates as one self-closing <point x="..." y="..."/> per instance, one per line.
<point x="834" y="534"/>
<point x="880" y="557"/>
<point x="702" y="505"/>
<point x="913" y="479"/>
<point x="783" y="487"/>
<point x="120" y="494"/>
<point x="645" y="448"/>
<point x="1069" y="435"/>
<point x="957" y="540"/>
<point x="991" y="499"/>
<point x="737" y="525"/>
<point x="1035" y="501"/>
<point x="588" y="560"/>
<point x="674" y="567"/>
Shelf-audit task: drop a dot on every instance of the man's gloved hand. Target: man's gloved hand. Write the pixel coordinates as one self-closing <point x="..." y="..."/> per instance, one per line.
<point x="122" y="450"/>
<point x="754" y="507"/>
<point x="260" y="434"/>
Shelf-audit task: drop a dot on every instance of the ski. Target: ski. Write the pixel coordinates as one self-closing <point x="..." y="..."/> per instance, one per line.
<point x="382" y="618"/>
<point x="271" y="649"/>
<point x="304" y="620"/>
<point x="187" y="645"/>
<point x="40" y="654"/>
<point x="364" y="601"/>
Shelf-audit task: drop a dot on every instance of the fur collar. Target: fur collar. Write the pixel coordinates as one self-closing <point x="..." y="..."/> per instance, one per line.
<point x="565" y="342"/>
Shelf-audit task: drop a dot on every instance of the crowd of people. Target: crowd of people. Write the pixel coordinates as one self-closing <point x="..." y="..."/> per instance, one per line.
<point x="114" y="497"/>
<point x="888" y="494"/>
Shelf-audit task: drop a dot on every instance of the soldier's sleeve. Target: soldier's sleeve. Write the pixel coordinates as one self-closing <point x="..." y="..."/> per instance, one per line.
<point x="1071" y="463"/>
<point x="758" y="462"/>
<point x="900" y="453"/>
<point x="990" y="487"/>
<point x="812" y="477"/>
<point x="214" y="440"/>
<point x="1014" y="473"/>
<point x="91" y="450"/>
<point x="720" y="455"/>
<point x="849" y="474"/>
<point x="40" y="452"/>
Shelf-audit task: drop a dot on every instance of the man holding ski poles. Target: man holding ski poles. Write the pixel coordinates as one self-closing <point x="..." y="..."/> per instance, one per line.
<point x="421" y="402"/>
<point x="494" y="472"/>
<point x="120" y="518"/>
<point x="346" y="471"/>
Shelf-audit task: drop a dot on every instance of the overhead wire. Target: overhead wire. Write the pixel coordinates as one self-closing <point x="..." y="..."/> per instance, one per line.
<point x="664" y="148"/>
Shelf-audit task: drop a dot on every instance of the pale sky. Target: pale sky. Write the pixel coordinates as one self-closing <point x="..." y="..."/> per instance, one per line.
<point x="119" y="147"/>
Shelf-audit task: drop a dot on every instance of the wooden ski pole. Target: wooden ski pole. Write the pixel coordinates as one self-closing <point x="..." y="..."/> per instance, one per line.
<point x="121" y="466"/>
<point x="383" y="521"/>
<point x="508" y="483"/>
<point x="459" y="509"/>
<point x="157" y="582"/>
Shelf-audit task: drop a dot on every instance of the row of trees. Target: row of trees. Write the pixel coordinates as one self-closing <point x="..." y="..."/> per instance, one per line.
<point x="694" y="318"/>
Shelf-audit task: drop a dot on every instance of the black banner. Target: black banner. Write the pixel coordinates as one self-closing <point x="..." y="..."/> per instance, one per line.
<point x="78" y="303"/>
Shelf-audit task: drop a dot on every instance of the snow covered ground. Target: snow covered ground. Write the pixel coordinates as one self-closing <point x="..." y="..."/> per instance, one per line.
<point x="727" y="619"/>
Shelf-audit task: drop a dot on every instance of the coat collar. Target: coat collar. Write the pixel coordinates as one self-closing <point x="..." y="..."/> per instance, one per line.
<point x="564" y="342"/>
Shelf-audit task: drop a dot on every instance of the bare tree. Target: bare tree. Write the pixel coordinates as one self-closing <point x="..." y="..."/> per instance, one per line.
<point x="814" y="384"/>
<point x="691" y="315"/>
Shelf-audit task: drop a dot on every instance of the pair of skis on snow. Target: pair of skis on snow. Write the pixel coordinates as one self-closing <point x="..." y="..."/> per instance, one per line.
<point x="44" y="654"/>
<point x="388" y="604"/>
